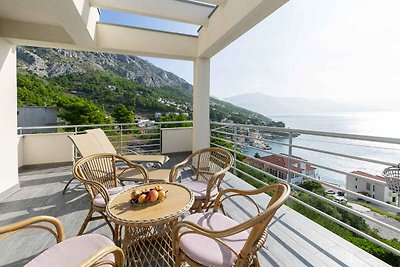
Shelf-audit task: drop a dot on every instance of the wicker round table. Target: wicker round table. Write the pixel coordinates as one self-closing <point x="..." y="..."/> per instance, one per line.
<point x="148" y="229"/>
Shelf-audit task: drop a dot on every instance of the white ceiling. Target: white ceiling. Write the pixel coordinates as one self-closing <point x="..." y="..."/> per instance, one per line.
<point x="74" y="24"/>
<point x="35" y="11"/>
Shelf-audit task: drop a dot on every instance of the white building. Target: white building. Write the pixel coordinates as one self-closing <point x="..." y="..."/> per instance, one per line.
<point x="370" y="185"/>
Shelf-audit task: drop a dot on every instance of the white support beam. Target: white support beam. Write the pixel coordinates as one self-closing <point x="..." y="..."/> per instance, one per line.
<point x="34" y="32"/>
<point x="165" y="9"/>
<point x="122" y="40"/>
<point x="143" y="42"/>
<point x="201" y="104"/>
<point x="8" y="117"/>
<point x="77" y="18"/>
<point x="232" y="20"/>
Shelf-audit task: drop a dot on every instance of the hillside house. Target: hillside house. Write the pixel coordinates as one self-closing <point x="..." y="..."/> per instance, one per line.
<point x="371" y="185"/>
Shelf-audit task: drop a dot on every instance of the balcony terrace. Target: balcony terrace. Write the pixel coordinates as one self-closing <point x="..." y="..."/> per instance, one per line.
<point x="293" y="240"/>
<point x="75" y="24"/>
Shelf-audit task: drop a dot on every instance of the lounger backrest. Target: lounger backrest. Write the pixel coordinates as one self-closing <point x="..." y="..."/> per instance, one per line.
<point x="103" y="140"/>
<point x="86" y="144"/>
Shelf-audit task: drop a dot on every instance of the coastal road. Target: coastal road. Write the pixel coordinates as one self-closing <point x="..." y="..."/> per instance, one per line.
<point x="382" y="231"/>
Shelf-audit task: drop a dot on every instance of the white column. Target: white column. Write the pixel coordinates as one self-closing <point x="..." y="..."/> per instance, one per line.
<point x="8" y="119"/>
<point x="201" y="104"/>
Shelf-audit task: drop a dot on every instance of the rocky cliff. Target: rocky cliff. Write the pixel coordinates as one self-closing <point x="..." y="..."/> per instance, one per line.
<point x="56" y="62"/>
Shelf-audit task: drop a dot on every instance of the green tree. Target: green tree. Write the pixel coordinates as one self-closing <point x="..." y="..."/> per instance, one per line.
<point x="257" y="155"/>
<point x="313" y="186"/>
<point x="175" y="117"/>
<point x="80" y="111"/>
<point x="122" y="115"/>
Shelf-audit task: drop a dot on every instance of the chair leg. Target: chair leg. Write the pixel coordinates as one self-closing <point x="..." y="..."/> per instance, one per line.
<point x="178" y="261"/>
<point x="113" y="230"/>
<point x="208" y="206"/>
<point x="66" y="186"/>
<point x="256" y="262"/>
<point x="86" y="221"/>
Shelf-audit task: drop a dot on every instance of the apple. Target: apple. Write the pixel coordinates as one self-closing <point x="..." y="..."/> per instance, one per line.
<point x="158" y="187"/>
<point x="162" y="194"/>
<point x="146" y="190"/>
<point x="153" y="195"/>
<point x="142" y="198"/>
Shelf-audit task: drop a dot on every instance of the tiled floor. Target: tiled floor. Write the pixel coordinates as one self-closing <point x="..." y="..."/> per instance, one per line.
<point x="293" y="240"/>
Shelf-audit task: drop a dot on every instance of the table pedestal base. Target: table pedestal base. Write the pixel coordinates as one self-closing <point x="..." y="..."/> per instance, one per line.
<point x="150" y="245"/>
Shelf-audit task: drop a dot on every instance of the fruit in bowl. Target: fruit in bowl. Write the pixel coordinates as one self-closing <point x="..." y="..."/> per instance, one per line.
<point x="142" y="198"/>
<point x="161" y="195"/>
<point x="145" y="196"/>
<point x="158" y="187"/>
<point x="152" y="196"/>
<point x="135" y="194"/>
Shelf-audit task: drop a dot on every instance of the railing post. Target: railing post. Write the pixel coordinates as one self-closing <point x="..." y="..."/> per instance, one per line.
<point x="74" y="152"/>
<point x="234" y="148"/>
<point x="120" y="139"/>
<point x="160" y="138"/>
<point x="290" y="157"/>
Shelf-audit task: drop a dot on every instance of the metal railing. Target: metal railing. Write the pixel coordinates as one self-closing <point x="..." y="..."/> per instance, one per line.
<point x="333" y="155"/>
<point x="285" y="143"/>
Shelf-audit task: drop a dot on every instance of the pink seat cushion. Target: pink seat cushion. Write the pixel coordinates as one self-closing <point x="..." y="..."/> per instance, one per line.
<point x="72" y="252"/>
<point x="207" y="251"/>
<point x="199" y="189"/>
<point x="99" y="200"/>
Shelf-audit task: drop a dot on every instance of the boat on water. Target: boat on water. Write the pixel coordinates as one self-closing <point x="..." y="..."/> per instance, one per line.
<point x="261" y="145"/>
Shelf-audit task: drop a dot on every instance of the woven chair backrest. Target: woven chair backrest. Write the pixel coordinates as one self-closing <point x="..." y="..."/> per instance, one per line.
<point x="210" y="161"/>
<point x="103" y="140"/>
<point x="99" y="168"/>
<point x="259" y="231"/>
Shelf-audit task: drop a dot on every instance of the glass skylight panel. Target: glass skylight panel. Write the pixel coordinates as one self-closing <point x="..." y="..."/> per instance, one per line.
<point x="133" y="20"/>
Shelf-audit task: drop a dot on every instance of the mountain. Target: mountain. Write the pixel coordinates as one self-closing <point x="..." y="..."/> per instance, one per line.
<point x="51" y="63"/>
<point x="86" y="87"/>
<point x="270" y="105"/>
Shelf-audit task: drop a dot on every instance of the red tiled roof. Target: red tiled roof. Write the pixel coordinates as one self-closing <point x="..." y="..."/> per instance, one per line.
<point x="376" y="177"/>
<point x="278" y="160"/>
<point x="296" y="169"/>
<point x="309" y="167"/>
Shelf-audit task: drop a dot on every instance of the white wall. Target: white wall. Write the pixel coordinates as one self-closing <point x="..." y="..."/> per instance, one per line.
<point x="8" y="118"/>
<point x="176" y="140"/>
<point x="47" y="148"/>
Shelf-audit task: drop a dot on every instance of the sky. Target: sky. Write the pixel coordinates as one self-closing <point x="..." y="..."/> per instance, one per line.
<point x="343" y="50"/>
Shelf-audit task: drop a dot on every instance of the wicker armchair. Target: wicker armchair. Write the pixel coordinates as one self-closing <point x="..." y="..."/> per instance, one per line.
<point x="209" y="166"/>
<point x="82" y="251"/>
<point x="228" y="243"/>
<point x="95" y="142"/>
<point x="100" y="174"/>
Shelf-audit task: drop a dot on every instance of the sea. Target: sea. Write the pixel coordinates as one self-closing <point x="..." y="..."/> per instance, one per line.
<point x="382" y="124"/>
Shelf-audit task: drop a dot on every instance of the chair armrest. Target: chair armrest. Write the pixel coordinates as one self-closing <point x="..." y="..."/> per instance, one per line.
<point x="7" y="230"/>
<point x="244" y="193"/>
<point x="99" y="187"/>
<point x="95" y="259"/>
<point x="174" y="170"/>
<point x="131" y="166"/>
